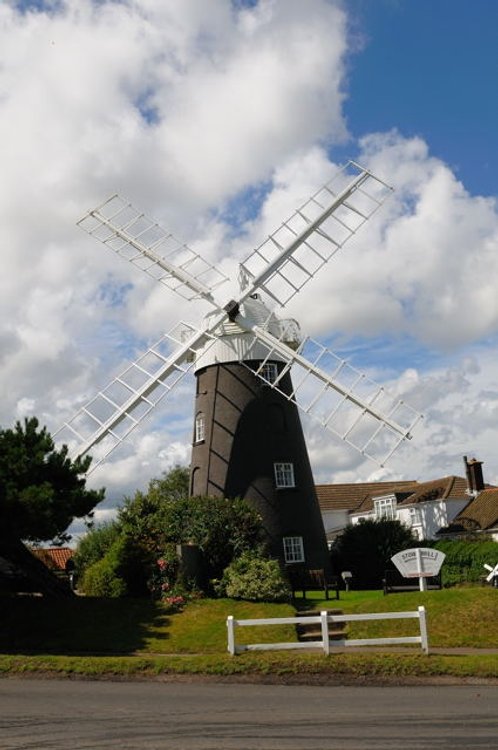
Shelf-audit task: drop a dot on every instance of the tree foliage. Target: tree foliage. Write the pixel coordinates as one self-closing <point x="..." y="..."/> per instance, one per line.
<point x="366" y="549"/>
<point x="151" y="523"/>
<point x="41" y="489"/>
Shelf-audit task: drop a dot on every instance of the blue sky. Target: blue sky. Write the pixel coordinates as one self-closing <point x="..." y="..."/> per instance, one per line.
<point x="218" y="119"/>
<point x="429" y="68"/>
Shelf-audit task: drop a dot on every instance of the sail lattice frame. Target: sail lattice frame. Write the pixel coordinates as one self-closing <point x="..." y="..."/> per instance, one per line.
<point x="114" y="412"/>
<point x="339" y="397"/>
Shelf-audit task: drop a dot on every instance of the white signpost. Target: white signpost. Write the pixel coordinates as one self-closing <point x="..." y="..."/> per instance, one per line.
<point x="420" y="562"/>
<point x="493" y="572"/>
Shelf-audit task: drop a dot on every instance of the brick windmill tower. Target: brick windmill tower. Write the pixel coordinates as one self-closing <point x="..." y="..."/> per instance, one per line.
<point x="248" y="439"/>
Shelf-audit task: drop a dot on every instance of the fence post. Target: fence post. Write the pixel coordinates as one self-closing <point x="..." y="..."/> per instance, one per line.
<point x="231" y="634"/>
<point x="423" y="629"/>
<point x="325" y="632"/>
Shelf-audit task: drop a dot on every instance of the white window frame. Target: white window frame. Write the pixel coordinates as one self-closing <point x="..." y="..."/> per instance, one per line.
<point x="293" y="549"/>
<point x="284" y="474"/>
<point x="200" y="428"/>
<point x="415" y="517"/>
<point x="269" y="372"/>
<point x="385" y="507"/>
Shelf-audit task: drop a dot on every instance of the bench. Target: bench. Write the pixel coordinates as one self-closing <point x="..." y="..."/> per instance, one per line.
<point x="394" y="583"/>
<point x="305" y="579"/>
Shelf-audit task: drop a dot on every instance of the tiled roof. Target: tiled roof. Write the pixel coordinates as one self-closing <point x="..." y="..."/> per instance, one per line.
<point x="359" y="498"/>
<point x="446" y="488"/>
<point x="481" y="512"/>
<point x="55" y="558"/>
<point x="351" y="496"/>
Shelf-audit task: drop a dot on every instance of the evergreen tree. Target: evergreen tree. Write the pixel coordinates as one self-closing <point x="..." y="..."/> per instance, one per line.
<point x="41" y="489"/>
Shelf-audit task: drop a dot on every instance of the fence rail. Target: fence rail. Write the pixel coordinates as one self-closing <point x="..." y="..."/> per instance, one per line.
<point x="324" y="619"/>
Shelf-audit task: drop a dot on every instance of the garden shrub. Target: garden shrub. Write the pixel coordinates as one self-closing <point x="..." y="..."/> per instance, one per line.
<point x="94" y="545"/>
<point x="465" y="559"/>
<point x="119" y="572"/>
<point x="150" y="523"/>
<point x="165" y="572"/>
<point x="256" y="578"/>
<point x="102" y="579"/>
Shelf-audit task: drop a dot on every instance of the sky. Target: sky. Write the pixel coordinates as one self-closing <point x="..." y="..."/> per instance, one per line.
<point x="217" y="119"/>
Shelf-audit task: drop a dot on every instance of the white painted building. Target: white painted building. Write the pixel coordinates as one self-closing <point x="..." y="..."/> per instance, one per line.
<point x="449" y="505"/>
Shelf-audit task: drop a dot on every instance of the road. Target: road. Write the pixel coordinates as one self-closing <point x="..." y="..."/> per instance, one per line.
<point x="77" y="715"/>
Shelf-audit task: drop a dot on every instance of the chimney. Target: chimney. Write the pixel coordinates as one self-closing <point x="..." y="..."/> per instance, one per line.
<point x="473" y="470"/>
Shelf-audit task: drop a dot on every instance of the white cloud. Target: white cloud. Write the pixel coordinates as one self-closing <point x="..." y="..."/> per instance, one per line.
<point x="182" y="107"/>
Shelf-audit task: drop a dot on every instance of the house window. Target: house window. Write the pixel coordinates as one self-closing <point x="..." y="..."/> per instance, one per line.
<point x="293" y="549"/>
<point x="415" y="517"/>
<point x="200" y="427"/>
<point x="284" y="475"/>
<point x="385" y="507"/>
<point x="269" y="372"/>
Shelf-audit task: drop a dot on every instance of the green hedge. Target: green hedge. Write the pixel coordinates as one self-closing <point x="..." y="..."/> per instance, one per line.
<point x="465" y="559"/>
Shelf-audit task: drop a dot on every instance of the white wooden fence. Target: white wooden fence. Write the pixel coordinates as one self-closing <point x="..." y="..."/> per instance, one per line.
<point x="324" y="619"/>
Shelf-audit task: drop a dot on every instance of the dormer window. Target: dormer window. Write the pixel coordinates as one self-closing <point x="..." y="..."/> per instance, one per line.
<point x="385" y="507"/>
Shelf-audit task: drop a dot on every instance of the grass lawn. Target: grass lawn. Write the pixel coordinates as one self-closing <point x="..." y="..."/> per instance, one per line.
<point x="456" y="618"/>
<point x="137" y="637"/>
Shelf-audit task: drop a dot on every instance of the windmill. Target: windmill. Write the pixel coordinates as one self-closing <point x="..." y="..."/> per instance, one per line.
<point x="248" y="440"/>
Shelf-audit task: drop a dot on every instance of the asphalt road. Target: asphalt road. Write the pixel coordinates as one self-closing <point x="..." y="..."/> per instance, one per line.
<point x="75" y="715"/>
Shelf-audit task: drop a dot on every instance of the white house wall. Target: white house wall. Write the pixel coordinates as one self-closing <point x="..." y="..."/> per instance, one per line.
<point x="434" y="515"/>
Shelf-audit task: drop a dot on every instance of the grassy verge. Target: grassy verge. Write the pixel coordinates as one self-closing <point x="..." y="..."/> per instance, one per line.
<point x="140" y="639"/>
<point x="457" y="618"/>
<point x="279" y="666"/>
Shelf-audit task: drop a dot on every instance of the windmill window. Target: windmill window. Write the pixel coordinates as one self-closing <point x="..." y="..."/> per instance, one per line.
<point x="284" y="475"/>
<point x="200" y="428"/>
<point x="293" y="549"/>
<point x="269" y="372"/>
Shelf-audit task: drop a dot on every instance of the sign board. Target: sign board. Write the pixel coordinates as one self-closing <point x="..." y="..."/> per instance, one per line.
<point x="420" y="562"/>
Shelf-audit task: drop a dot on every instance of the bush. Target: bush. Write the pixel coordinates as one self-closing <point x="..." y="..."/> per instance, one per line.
<point x="121" y="571"/>
<point x="465" y="559"/>
<point x="150" y="523"/>
<point x="102" y="579"/>
<point x="165" y="573"/>
<point x="94" y="546"/>
<point x="256" y="578"/>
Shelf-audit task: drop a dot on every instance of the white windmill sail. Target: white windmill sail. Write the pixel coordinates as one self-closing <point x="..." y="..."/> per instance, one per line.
<point x="296" y="251"/>
<point x="109" y="417"/>
<point x="140" y="240"/>
<point x="341" y="398"/>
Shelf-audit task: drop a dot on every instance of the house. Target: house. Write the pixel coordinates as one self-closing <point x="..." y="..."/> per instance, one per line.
<point x="338" y="501"/>
<point x="57" y="559"/>
<point x="429" y="508"/>
<point x="23" y="572"/>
